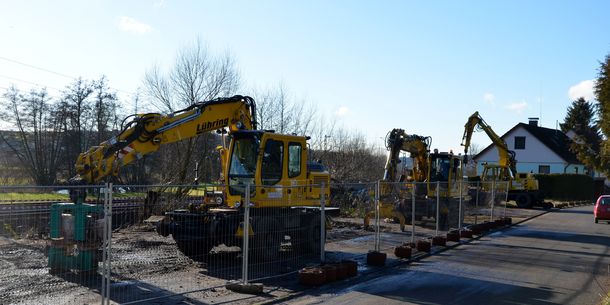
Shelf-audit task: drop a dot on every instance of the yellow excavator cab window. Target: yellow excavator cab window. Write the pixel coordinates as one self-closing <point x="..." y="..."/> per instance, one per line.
<point x="294" y="159"/>
<point x="272" y="163"/>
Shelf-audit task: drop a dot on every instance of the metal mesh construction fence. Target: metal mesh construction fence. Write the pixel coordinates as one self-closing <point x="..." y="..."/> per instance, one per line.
<point x="49" y="249"/>
<point x="133" y="243"/>
<point x="487" y="201"/>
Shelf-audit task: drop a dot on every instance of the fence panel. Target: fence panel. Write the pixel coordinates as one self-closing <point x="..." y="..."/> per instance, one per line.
<point x="285" y="237"/>
<point x="396" y="214"/>
<point x="353" y="229"/>
<point x="425" y="210"/>
<point x="168" y="240"/>
<point x="50" y="248"/>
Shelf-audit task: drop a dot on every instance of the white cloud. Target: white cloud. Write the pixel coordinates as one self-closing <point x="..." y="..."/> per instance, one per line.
<point x="342" y="111"/>
<point x="582" y="89"/>
<point x="129" y="24"/>
<point x="517" y="107"/>
<point x="489" y="98"/>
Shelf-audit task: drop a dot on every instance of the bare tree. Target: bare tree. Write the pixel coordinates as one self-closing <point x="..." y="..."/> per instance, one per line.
<point x="351" y="159"/>
<point x="75" y="106"/>
<point x="11" y="170"/>
<point x="197" y="75"/>
<point x="279" y="111"/>
<point x="346" y="153"/>
<point x="37" y="136"/>
<point x="90" y="109"/>
<point x="104" y="110"/>
<point x="474" y="149"/>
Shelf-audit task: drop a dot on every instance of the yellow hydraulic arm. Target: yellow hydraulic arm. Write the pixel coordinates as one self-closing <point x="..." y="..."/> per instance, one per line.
<point x="145" y="133"/>
<point x="418" y="146"/>
<point x="506" y="156"/>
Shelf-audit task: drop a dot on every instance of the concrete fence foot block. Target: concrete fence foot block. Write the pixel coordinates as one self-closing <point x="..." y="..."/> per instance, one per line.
<point x="423" y="246"/>
<point x="466" y="233"/>
<point x="351" y="267"/>
<point x="453" y="236"/>
<point x="250" y="288"/>
<point x="341" y="270"/>
<point x="312" y="276"/>
<point x="439" y="241"/>
<point x="403" y="252"/>
<point x="331" y="273"/>
<point x="374" y="258"/>
<point x="476" y="229"/>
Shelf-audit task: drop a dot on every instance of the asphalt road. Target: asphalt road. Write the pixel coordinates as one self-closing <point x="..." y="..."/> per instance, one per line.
<point x="561" y="257"/>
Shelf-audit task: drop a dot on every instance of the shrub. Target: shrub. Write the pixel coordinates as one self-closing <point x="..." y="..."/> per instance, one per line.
<point x="566" y="186"/>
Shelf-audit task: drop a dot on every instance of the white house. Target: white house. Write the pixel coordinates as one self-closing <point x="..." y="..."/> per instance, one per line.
<point x="537" y="149"/>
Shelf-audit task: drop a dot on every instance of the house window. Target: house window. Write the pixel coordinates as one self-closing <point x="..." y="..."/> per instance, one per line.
<point x="519" y="142"/>
<point x="544" y="169"/>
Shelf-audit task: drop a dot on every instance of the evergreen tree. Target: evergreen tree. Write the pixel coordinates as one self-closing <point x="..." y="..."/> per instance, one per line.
<point x="602" y="94"/>
<point x="579" y="117"/>
<point x="581" y="120"/>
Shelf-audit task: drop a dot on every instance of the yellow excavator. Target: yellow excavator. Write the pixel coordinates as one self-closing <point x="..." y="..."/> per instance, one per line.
<point x="275" y="166"/>
<point x="428" y="168"/>
<point x="522" y="187"/>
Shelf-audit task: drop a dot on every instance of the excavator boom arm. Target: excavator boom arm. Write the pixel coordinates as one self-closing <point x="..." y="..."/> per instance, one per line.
<point x="418" y="146"/>
<point x="145" y="133"/>
<point x="506" y="156"/>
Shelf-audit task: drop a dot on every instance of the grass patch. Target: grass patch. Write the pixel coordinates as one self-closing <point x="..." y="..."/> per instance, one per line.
<point x="33" y="196"/>
<point x="52" y="196"/>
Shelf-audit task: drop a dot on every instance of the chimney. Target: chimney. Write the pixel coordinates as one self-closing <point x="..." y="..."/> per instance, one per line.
<point x="533" y="121"/>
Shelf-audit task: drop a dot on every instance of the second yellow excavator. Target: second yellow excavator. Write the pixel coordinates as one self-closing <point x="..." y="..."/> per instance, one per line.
<point x="522" y="187"/>
<point x="429" y="171"/>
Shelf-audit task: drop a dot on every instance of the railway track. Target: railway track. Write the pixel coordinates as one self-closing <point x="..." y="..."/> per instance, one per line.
<point x="29" y="206"/>
<point x="27" y="216"/>
<point x="7" y="206"/>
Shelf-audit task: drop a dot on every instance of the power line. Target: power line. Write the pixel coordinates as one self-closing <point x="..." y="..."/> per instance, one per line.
<point x="51" y="71"/>
<point x="29" y="82"/>
<point x="37" y="68"/>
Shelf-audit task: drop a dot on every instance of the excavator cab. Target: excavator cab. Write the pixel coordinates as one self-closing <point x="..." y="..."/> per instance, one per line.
<point x="242" y="163"/>
<point x="499" y="174"/>
<point x="446" y="169"/>
<point x="440" y="167"/>
<point x="275" y="167"/>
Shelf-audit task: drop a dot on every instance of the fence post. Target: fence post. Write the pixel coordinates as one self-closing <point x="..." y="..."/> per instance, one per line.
<point x="108" y="243"/>
<point x="438" y="203"/>
<point x="413" y="213"/>
<point x="104" y="243"/>
<point x="476" y="203"/>
<point x="377" y="216"/>
<point x="110" y="199"/>
<point x="245" y="235"/>
<point x="460" y="203"/>
<point x="322" y="222"/>
<point x="506" y="199"/>
<point x="493" y="198"/>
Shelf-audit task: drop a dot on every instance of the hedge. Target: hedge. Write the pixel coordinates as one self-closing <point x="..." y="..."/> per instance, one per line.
<point x="566" y="186"/>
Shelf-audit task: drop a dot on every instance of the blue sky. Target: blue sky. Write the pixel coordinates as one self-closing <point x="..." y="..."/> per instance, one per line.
<point x="423" y="66"/>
